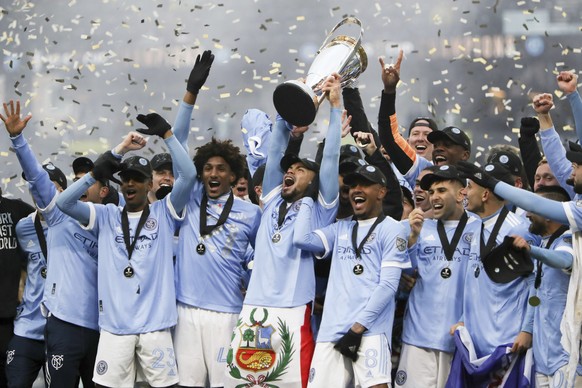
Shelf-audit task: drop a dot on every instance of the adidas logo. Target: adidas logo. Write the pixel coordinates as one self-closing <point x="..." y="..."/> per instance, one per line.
<point x="430" y="238"/>
<point x="30" y="244"/>
<point x="478" y="175"/>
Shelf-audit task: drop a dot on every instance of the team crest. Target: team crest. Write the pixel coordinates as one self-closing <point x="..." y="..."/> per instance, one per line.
<point x="400" y="377"/>
<point x="10" y="356"/>
<point x="101" y="367"/>
<point x="468" y="237"/>
<point x="57" y="361"/>
<point x="371" y="238"/>
<point x="401" y="244"/>
<point x="255" y="352"/>
<point x="568" y="240"/>
<point x="150" y="224"/>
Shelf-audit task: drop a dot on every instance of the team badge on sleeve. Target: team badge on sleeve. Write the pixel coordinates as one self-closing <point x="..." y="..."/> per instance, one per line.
<point x="400" y="244"/>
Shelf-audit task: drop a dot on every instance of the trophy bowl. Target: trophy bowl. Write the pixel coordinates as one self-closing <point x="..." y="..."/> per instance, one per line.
<point x="297" y="102"/>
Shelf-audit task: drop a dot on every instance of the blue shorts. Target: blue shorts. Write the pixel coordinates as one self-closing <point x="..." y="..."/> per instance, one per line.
<point x="24" y="359"/>
<point x="70" y="352"/>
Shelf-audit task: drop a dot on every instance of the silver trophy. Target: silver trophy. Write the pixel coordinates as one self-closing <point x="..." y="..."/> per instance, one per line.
<point x="297" y="102"/>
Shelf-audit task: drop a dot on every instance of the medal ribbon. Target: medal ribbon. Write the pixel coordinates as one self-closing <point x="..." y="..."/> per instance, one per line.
<point x="206" y="229"/>
<point x="40" y="235"/>
<point x="125" y="228"/>
<point x="553" y="238"/>
<point x="358" y="248"/>
<point x="449" y="249"/>
<point x="283" y="210"/>
<point x="485" y="249"/>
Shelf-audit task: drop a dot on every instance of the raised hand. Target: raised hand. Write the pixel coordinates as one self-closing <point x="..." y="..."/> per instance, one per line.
<point x="365" y="140"/>
<point x="332" y="86"/>
<point x="542" y="103"/>
<point x="156" y="125"/>
<point x="346" y="120"/>
<point x="567" y="81"/>
<point x="14" y="124"/>
<point x="105" y="166"/>
<point x="391" y="73"/>
<point x="133" y="141"/>
<point x="477" y="175"/>
<point x="200" y="71"/>
<point x="529" y="126"/>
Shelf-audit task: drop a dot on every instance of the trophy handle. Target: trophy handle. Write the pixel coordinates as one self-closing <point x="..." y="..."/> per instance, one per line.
<point x="348" y="20"/>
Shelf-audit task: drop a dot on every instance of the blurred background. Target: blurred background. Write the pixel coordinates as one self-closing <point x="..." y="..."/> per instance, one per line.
<point x="85" y="69"/>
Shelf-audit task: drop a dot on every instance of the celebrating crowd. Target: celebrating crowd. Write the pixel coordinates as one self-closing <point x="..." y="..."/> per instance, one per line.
<point x="382" y="262"/>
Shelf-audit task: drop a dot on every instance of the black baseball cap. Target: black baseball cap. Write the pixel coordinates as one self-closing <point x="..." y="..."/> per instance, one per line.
<point x="499" y="172"/>
<point x="350" y="164"/>
<point x="506" y="263"/>
<point x="509" y="160"/>
<point x="453" y="134"/>
<point x="368" y="172"/>
<point x="574" y="155"/>
<point x="82" y="165"/>
<point x="429" y="123"/>
<point x="350" y="150"/>
<point x="442" y="173"/>
<point x="55" y="174"/>
<point x="161" y="160"/>
<point x="290" y="159"/>
<point x="136" y="164"/>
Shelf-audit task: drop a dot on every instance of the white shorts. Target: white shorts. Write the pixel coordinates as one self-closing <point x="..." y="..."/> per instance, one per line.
<point x="421" y="367"/>
<point x="118" y="358"/>
<point x="270" y="346"/>
<point x="557" y="380"/>
<point x="329" y="368"/>
<point x="201" y="341"/>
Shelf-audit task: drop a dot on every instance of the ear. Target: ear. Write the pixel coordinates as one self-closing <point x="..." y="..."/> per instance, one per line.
<point x="466" y="155"/>
<point x="232" y="178"/>
<point x="103" y="192"/>
<point x="150" y="185"/>
<point x="382" y="192"/>
<point x="259" y="191"/>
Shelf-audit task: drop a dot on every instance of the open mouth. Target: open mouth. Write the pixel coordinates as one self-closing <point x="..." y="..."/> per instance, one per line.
<point x="288" y="181"/>
<point x="420" y="148"/>
<point x="437" y="206"/>
<point x="440" y="159"/>
<point x="419" y="198"/>
<point x="241" y="189"/>
<point x="213" y="184"/>
<point x="130" y="193"/>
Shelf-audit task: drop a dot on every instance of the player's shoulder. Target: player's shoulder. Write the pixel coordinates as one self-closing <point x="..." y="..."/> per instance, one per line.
<point x="25" y="223"/>
<point x="240" y="204"/>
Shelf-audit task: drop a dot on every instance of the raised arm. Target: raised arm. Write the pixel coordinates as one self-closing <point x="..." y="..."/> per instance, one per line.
<point x="528" y="146"/>
<point x="328" y="181"/>
<point x="568" y="83"/>
<point x="42" y="189"/>
<point x="303" y="237"/>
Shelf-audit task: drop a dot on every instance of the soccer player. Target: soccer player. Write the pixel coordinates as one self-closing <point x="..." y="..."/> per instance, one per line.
<point x="273" y="337"/>
<point x="439" y="249"/>
<point x="70" y="295"/>
<point x="136" y="304"/>
<point x="368" y="253"/>
<point x="162" y="176"/>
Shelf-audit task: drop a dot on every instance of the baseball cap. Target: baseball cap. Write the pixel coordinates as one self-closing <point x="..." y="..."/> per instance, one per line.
<point x="453" y="134"/>
<point x="136" y="164"/>
<point x="82" y="165"/>
<point x="509" y="160"/>
<point x="350" y="150"/>
<point x="161" y="160"/>
<point x="368" y="172"/>
<point x="574" y="155"/>
<point x="429" y="123"/>
<point x="290" y="159"/>
<point x="442" y="173"/>
<point x="55" y="174"/>
<point x="499" y="172"/>
<point x="348" y="165"/>
<point x="505" y="262"/>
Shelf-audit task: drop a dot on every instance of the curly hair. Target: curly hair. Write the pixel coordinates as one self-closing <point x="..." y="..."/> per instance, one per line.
<point x="225" y="149"/>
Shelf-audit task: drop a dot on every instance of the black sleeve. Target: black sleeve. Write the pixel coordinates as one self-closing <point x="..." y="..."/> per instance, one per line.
<point x="530" y="155"/>
<point x="294" y="145"/>
<point x="353" y="104"/>
<point x="393" y="200"/>
<point x="387" y="108"/>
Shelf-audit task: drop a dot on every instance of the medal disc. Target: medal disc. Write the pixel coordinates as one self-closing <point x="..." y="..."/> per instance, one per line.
<point x="477" y="272"/>
<point x="276" y="237"/>
<point x="534" y="301"/>
<point x="43" y="272"/>
<point x="446" y="273"/>
<point x="200" y="249"/>
<point x="358" y="269"/>
<point x="128" y="272"/>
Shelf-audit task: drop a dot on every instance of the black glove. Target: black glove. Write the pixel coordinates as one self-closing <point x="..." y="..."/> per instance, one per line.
<point x="105" y="166"/>
<point x="349" y="344"/>
<point x="200" y="72"/>
<point x="156" y="124"/>
<point x="476" y="174"/>
<point x="529" y="126"/>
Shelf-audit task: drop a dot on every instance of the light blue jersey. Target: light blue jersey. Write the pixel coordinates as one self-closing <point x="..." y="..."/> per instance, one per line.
<point x="146" y="301"/>
<point x="71" y="285"/>
<point x="29" y="322"/>
<point x="213" y="280"/>
<point x="360" y="289"/>
<point x="435" y="302"/>
<point x="494" y="313"/>
<point x="549" y="355"/>
<point x="419" y="164"/>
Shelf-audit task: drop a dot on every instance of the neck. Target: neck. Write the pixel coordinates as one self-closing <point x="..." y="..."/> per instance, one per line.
<point x="344" y="211"/>
<point x="456" y="214"/>
<point x="135" y="208"/>
<point x="551" y="228"/>
<point x="490" y="208"/>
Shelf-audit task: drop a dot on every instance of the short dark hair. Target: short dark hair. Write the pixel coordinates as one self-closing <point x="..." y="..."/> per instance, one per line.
<point x="225" y="149"/>
<point x="555" y="193"/>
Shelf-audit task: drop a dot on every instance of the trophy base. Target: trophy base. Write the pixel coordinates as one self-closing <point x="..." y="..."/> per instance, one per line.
<point x="294" y="101"/>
